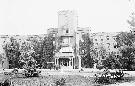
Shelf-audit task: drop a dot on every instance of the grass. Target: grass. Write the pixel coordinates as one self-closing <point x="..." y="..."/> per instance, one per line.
<point x="69" y="80"/>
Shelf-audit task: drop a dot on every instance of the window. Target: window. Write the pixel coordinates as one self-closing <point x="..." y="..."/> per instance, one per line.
<point x="66" y="31"/>
<point x="115" y="46"/>
<point x="108" y="44"/>
<point x="114" y="37"/>
<point x="103" y="57"/>
<point x="83" y="51"/>
<point x="101" y="39"/>
<point x="107" y="37"/>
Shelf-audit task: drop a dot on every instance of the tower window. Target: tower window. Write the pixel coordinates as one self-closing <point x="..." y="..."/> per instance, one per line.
<point x="107" y="37"/>
<point x="66" y="31"/>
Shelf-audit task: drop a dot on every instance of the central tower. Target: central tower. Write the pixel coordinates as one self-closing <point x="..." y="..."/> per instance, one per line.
<point x="67" y="25"/>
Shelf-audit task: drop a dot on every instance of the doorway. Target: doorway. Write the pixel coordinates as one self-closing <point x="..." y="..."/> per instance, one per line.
<point x="64" y="62"/>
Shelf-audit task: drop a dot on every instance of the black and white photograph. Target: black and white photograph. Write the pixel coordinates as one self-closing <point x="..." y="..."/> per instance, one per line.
<point x="67" y="42"/>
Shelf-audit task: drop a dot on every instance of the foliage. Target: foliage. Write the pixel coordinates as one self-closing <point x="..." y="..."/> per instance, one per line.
<point x="101" y="52"/>
<point x="6" y="82"/>
<point x="128" y="58"/>
<point x="60" y="82"/>
<point x="37" y="44"/>
<point x="132" y="21"/>
<point x="85" y="44"/>
<point x="125" y="39"/>
<point x="88" y="61"/>
<point x="107" y="77"/>
<point x="32" y="49"/>
<point x="31" y="72"/>
<point x="125" y="43"/>
<point x="101" y="55"/>
<point x="84" y="51"/>
<point x="112" y="62"/>
<point x="12" y="53"/>
<point x="48" y="49"/>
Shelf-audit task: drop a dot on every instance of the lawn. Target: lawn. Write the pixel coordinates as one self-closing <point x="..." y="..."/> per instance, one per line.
<point x="68" y="80"/>
<point x="51" y="80"/>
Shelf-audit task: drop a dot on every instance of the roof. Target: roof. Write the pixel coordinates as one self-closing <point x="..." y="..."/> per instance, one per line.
<point x="64" y="55"/>
<point x="66" y="49"/>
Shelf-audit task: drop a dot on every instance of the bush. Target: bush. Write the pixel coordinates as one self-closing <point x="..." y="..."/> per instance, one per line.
<point x="107" y="77"/>
<point x="60" y="82"/>
<point x="5" y="83"/>
<point x="32" y="73"/>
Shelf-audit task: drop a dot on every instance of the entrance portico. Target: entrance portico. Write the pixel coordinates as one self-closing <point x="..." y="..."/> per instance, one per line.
<point x="65" y="62"/>
<point x="65" y="59"/>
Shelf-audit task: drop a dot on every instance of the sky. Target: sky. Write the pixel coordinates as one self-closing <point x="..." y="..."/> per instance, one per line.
<point x="23" y="17"/>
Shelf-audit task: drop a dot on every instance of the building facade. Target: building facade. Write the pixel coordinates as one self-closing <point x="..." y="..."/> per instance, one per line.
<point x="66" y="54"/>
<point x="107" y="41"/>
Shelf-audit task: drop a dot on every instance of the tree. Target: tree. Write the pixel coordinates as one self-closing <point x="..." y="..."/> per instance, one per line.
<point x="132" y="21"/>
<point x="125" y="43"/>
<point x="48" y="49"/>
<point x="101" y="55"/>
<point x="128" y="57"/>
<point x="84" y="50"/>
<point x="125" y="39"/>
<point x="12" y="53"/>
<point x="37" y="44"/>
<point x="112" y="62"/>
<point x="27" y="54"/>
<point x="88" y="61"/>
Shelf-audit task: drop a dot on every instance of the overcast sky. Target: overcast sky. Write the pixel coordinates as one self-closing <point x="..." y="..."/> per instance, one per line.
<point x="36" y="16"/>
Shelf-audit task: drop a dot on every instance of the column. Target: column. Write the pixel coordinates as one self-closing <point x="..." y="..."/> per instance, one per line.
<point x="68" y="62"/>
<point x="79" y="57"/>
<point x="55" y="61"/>
<point x="58" y="61"/>
<point x="72" y="62"/>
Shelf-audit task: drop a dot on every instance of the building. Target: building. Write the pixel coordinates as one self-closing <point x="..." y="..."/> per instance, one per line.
<point x="67" y="19"/>
<point x="67" y="24"/>
<point x="106" y="40"/>
<point x="52" y="31"/>
<point x="80" y="31"/>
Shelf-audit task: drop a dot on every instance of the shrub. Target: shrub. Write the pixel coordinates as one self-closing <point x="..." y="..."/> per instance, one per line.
<point x="60" y="82"/>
